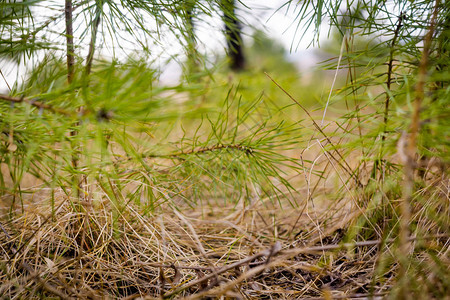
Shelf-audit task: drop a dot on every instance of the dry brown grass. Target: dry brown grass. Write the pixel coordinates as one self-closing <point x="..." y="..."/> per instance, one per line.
<point x="223" y="251"/>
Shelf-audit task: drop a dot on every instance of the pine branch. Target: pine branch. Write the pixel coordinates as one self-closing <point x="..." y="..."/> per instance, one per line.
<point x="389" y="73"/>
<point x="202" y="150"/>
<point x="347" y="168"/>
<point x="69" y="40"/>
<point x="91" y="51"/>
<point x="38" y="104"/>
<point x="389" y="78"/>
<point x="50" y="20"/>
<point x="410" y="147"/>
<point x="239" y="147"/>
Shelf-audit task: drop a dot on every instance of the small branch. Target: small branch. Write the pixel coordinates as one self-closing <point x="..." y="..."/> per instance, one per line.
<point x="415" y="123"/>
<point x="330" y="247"/>
<point x="222" y="289"/>
<point x="347" y="168"/>
<point x="6" y="81"/>
<point x="178" y="155"/>
<point x="410" y="147"/>
<point x="192" y="54"/>
<point x="89" y="59"/>
<point x="270" y="252"/>
<point x="344" y="42"/>
<point x="49" y="21"/>
<point x="243" y="148"/>
<point x="377" y="295"/>
<point x="69" y="39"/>
<point x="70" y="76"/>
<point x="91" y="52"/>
<point x="38" y="104"/>
<point x="172" y="266"/>
<point x="389" y="76"/>
<point x="281" y="260"/>
<point x="45" y="285"/>
<point x="388" y="92"/>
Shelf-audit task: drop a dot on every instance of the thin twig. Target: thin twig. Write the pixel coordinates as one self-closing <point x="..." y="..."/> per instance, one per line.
<point x="96" y="23"/>
<point x="38" y="104"/>
<point x="6" y="81"/>
<point x="347" y="168"/>
<point x="344" y="39"/>
<point x="70" y="77"/>
<point x="389" y="76"/>
<point x="352" y="296"/>
<point x="52" y="19"/>
<point x="69" y="40"/>
<point x="281" y="260"/>
<point x="410" y="149"/>
<point x="179" y="155"/>
<point x="45" y="285"/>
<point x="239" y="147"/>
<point x="266" y="252"/>
<point x="388" y="91"/>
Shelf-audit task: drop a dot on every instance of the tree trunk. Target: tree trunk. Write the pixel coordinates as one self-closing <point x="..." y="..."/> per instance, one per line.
<point x="235" y="49"/>
<point x="191" y="47"/>
<point x="69" y="41"/>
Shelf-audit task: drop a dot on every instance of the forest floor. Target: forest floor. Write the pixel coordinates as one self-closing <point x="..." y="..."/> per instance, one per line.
<point x="219" y="249"/>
